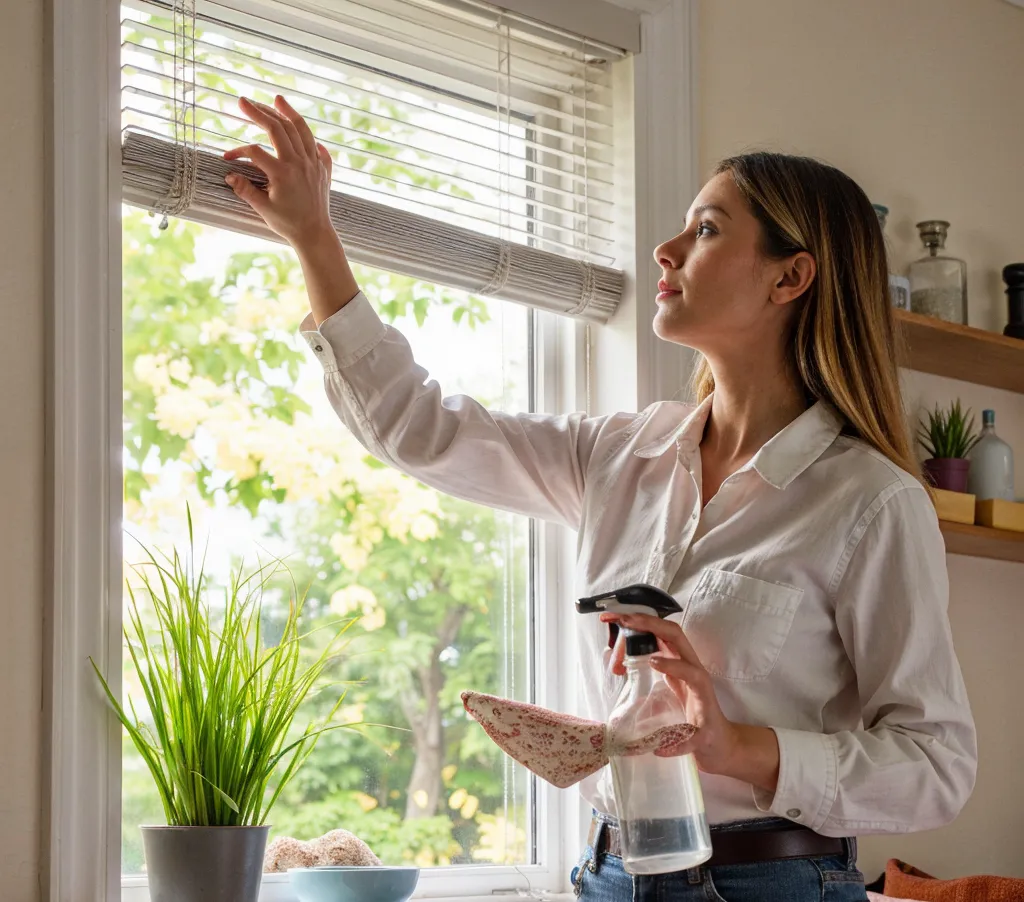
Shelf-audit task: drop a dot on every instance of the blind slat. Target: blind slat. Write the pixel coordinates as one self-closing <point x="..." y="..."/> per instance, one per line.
<point x="516" y="225"/>
<point x="317" y="121"/>
<point x="525" y="108"/>
<point x="488" y="124"/>
<point x="415" y="168"/>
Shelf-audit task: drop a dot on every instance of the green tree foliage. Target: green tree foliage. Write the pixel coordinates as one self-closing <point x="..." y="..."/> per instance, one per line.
<point x="212" y="367"/>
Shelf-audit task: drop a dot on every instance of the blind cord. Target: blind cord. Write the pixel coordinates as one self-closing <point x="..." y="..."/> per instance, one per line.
<point x="182" y="192"/>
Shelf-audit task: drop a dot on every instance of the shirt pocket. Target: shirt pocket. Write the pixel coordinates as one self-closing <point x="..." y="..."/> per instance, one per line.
<point x="738" y="624"/>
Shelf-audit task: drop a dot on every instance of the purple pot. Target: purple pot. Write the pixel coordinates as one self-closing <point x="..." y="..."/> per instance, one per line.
<point x="948" y="473"/>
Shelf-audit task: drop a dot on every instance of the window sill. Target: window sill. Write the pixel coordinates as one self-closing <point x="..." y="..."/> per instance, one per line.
<point x="277" y="888"/>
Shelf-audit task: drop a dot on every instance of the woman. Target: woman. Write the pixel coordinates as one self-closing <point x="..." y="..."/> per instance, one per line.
<point x="784" y="512"/>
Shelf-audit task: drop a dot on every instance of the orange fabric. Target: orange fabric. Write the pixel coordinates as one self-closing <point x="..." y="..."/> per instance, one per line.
<point x="905" y="882"/>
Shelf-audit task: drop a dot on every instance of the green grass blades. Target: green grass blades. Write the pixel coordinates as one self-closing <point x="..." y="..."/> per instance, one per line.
<point x="218" y="730"/>
<point x="948" y="433"/>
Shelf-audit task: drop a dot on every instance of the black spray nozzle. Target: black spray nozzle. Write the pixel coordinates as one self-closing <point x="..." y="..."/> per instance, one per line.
<point x="638" y="599"/>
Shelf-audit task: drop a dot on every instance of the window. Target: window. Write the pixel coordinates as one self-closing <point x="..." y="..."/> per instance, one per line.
<point x="224" y="408"/>
<point x="653" y="159"/>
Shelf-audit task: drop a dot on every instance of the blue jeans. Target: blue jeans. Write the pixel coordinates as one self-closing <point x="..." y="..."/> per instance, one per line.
<point x="602" y="878"/>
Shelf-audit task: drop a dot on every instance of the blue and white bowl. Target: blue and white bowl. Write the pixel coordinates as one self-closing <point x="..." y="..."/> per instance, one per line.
<point x="354" y="884"/>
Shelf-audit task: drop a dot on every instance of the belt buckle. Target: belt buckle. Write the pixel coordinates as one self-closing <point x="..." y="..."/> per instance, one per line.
<point x="598" y="829"/>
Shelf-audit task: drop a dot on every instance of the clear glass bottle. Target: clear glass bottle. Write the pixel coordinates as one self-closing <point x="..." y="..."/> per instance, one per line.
<point x="938" y="282"/>
<point x="991" y="473"/>
<point x="899" y="286"/>
<point x="659" y="800"/>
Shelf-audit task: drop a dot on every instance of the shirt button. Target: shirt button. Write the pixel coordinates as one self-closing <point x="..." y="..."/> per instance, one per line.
<point x="693" y="516"/>
<point x="318" y="348"/>
<point x="794" y="812"/>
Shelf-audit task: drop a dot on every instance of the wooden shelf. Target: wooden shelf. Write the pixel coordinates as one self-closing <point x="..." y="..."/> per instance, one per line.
<point x="981" y="541"/>
<point x="962" y="352"/>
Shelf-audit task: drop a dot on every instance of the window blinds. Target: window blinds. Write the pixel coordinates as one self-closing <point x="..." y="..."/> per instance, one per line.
<point x="472" y="149"/>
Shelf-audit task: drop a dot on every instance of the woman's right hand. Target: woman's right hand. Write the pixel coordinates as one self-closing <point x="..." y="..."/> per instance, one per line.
<point x="295" y="203"/>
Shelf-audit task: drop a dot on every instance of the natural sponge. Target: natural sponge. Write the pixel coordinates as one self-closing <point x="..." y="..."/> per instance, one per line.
<point x="339" y="847"/>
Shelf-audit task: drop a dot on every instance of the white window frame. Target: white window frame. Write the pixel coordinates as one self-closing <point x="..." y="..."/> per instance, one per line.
<point x="622" y="366"/>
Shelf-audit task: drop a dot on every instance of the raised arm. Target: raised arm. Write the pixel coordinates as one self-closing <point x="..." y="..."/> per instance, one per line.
<point x="532" y="465"/>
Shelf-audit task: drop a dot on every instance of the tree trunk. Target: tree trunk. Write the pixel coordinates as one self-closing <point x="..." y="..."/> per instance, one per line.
<point x="422" y="710"/>
<point x="424" y="792"/>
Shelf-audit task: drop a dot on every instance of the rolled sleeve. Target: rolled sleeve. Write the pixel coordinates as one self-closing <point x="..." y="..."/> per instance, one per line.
<point x="346" y="337"/>
<point x="808" y="773"/>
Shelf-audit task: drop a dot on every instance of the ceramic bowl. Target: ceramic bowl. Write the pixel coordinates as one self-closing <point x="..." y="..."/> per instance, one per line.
<point x="354" y="884"/>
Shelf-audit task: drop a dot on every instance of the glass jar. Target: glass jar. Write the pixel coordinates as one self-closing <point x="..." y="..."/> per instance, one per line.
<point x="938" y="282"/>
<point x="899" y="286"/>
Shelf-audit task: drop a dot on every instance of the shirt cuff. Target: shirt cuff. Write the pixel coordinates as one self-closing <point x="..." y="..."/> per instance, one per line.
<point x="347" y="336"/>
<point x="808" y="773"/>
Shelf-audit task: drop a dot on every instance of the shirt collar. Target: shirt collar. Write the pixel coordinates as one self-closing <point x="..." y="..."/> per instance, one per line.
<point x="781" y="459"/>
<point x="789" y="452"/>
<point x="687" y="434"/>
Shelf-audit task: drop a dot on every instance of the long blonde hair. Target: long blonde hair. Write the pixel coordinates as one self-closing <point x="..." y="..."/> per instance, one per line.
<point x="844" y="336"/>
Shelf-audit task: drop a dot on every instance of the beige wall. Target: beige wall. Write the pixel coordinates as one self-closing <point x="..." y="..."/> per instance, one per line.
<point x="921" y="102"/>
<point x="21" y="444"/>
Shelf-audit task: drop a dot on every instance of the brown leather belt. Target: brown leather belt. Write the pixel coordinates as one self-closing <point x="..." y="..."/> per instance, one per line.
<point x="737" y="847"/>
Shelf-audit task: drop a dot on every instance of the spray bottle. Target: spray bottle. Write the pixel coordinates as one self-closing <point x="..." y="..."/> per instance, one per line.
<point x="660" y="805"/>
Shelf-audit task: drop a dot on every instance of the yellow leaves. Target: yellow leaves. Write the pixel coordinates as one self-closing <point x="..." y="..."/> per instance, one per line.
<point x="356" y="599"/>
<point x="448" y="773"/>
<point x="373" y="620"/>
<point x="283" y="310"/>
<point x="157" y="371"/>
<point x="501" y="841"/>
<point x="213" y="330"/>
<point x="230" y="439"/>
<point x="292" y="306"/>
<point x="205" y="388"/>
<point x="352" y="599"/>
<point x="457" y="799"/>
<point x="424" y="859"/>
<point x="424" y="528"/>
<point x="180" y="369"/>
<point x="364" y="801"/>
<point x="464" y="803"/>
<point x="352" y="554"/>
<point x="151" y="369"/>
<point x="421" y="798"/>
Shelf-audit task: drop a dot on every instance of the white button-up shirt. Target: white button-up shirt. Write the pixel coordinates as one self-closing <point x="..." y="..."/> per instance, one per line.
<point x="813" y="585"/>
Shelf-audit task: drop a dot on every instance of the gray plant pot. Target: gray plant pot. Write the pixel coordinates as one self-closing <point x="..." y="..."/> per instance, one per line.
<point x="204" y="864"/>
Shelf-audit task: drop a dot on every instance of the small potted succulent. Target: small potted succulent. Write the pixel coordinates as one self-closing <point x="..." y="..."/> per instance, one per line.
<point x="948" y="437"/>
<point x="217" y="721"/>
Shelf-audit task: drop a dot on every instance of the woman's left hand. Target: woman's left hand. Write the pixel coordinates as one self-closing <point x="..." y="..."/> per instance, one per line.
<point x="719" y="746"/>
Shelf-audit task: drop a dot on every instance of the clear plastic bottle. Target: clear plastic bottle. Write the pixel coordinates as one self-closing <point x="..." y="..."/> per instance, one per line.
<point x="659" y="800"/>
<point x="660" y="804"/>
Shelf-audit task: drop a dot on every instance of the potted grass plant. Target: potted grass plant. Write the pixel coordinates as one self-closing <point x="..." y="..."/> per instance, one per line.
<point x="218" y="725"/>
<point x="948" y="436"/>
